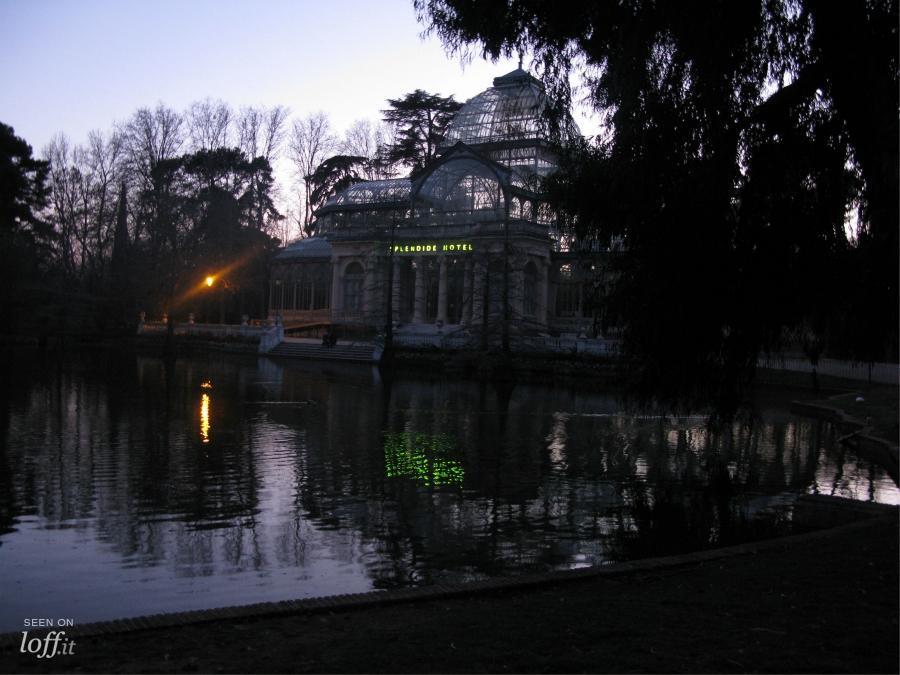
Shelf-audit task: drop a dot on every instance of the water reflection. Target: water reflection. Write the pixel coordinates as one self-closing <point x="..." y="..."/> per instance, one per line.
<point x="204" y="417"/>
<point x="328" y="479"/>
<point x="425" y="457"/>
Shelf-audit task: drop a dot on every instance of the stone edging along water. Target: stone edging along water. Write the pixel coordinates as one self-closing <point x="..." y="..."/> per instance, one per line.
<point x="871" y="516"/>
<point x="875" y="448"/>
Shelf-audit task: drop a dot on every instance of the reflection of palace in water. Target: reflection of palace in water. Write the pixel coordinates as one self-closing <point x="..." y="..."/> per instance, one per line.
<point x="410" y="481"/>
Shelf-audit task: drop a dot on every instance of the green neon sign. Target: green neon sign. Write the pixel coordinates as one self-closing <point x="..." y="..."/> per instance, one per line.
<point x="422" y="457"/>
<point x="432" y="247"/>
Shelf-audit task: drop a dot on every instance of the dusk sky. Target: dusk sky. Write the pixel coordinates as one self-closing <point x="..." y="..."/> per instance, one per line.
<point x="73" y="66"/>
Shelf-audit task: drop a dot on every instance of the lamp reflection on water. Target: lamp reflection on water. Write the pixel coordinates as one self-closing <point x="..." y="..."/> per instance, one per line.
<point x="204" y="417"/>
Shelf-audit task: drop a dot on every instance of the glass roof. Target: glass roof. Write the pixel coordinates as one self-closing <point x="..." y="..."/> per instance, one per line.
<point x="497" y="145"/>
<point x="512" y="109"/>
<point x="461" y="185"/>
<point x="314" y="247"/>
<point x="371" y="193"/>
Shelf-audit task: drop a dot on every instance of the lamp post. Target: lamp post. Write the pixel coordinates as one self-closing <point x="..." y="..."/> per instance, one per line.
<point x="389" y="324"/>
<point x="209" y="282"/>
<point x="222" y="288"/>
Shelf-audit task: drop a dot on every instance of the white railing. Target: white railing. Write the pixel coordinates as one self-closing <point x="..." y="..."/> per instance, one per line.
<point x="882" y="373"/>
<point x="204" y="329"/>
<point x="271" y="338"/>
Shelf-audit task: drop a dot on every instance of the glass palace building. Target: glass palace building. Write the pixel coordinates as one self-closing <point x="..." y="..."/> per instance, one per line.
<point x="464" y="244"/>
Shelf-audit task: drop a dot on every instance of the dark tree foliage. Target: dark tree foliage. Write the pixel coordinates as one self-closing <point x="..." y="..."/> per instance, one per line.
<point x="186" y="217"/>
<point x="23" y="189"/>
<point x="123" y="303"/>
<point x="121" y="239"/>
<point x="203" y="210"/>
<point x="26" y="240"/>
<point x="225" y="197"/>
<point x="333" y="175"/>
<point x="250" y="182"/>
<point x="420" y="120"/>
<point x="740" y="134"/>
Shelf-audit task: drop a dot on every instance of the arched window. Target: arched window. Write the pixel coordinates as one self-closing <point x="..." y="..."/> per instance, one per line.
<point x="461" y="188"/>
<point x="568" y="296"/>
<point x="353" y="287"/>
<point x="455" y="283"/>
<point x="496" y="280"/>
<point x="515" y="208"/>
<point x="530" y="304"/>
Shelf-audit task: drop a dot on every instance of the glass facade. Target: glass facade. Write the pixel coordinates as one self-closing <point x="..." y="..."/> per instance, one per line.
<point x="469" y="240"/>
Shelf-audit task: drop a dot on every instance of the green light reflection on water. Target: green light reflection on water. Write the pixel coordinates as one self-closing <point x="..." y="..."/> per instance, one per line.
<point x="423" y="457"/>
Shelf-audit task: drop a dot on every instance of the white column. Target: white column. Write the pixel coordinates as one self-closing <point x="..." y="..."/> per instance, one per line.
<point x="544" y="309"/>
<point x="419" y="303"/>
<point x="517" y="287"/>
<point x="442" y="290"/>
<point x="479" y="270"/>
<point x="466" y="314"/>
<point x="337" y="301"/>
<point x="369" y="310"/>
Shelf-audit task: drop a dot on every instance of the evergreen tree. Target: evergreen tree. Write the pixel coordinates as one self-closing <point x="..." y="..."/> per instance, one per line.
<point x="23" y="189"/>
<point x="420" y="120"/>
<point x="333" y="175"/>
<point x="26" y="240"/>
<point x="122" y="285"/>
<point x="119" y="262"/>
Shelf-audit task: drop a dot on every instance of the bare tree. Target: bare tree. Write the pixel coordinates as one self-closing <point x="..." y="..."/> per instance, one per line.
<point x="104" y="162"/>
<point x="261" y="131"/>
<point x="150" y="137"/>
<point x="64" y="183"/>
<point x="82" y="182"/>
<point x="209" y="125"/>
<point x="385" y="138"/>
<point x="310" y="144"/>
<point x="83" y="179"/>
<point x="359" y="140"/>
<point x="364" y="139"/>
<point x="291" y="223"/>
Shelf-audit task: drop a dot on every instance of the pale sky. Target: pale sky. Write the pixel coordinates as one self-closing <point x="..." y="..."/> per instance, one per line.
<point x="75" y="65"/>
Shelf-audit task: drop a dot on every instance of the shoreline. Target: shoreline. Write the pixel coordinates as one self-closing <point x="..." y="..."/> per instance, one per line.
<point x="842" y="515"/>
<point x="849" y="561"/>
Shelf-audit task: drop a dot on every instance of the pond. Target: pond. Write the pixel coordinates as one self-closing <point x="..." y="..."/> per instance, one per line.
<point x="130" y="487"/>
